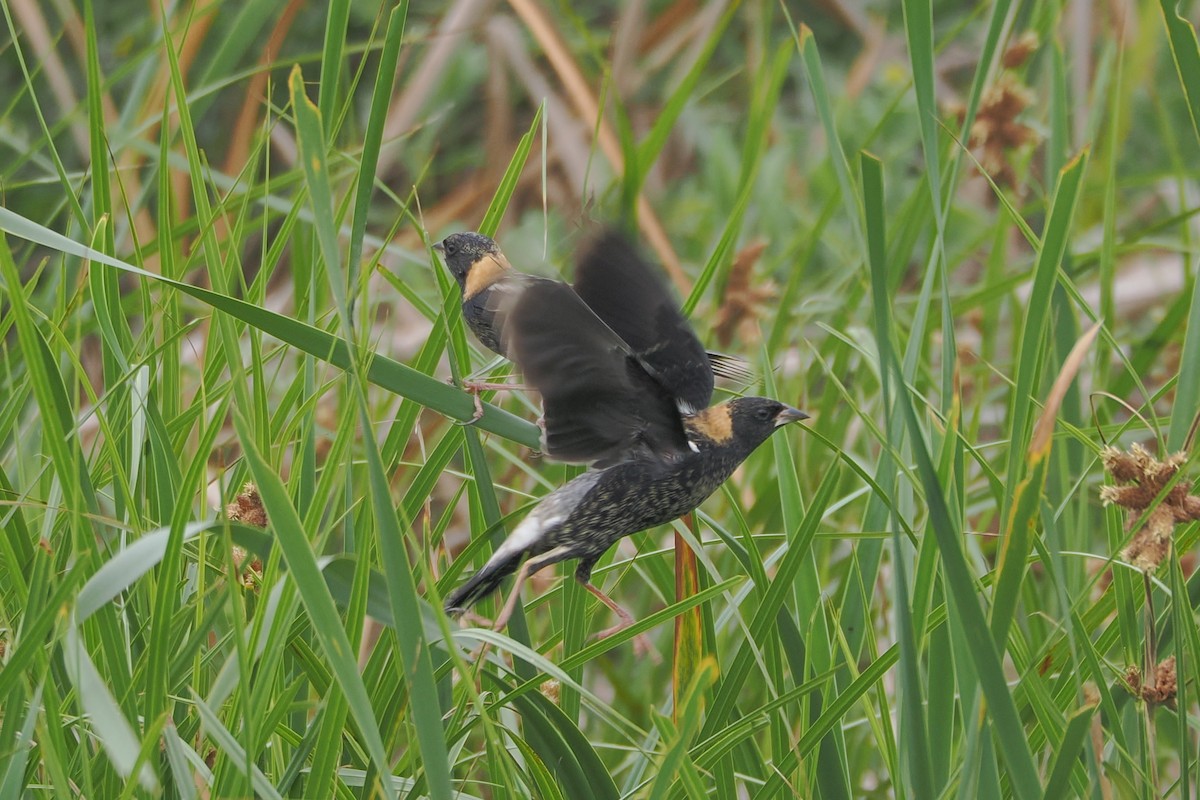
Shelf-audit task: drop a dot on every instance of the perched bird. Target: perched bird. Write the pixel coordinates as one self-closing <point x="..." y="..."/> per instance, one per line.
<point x="615" y="284"/>
<point x="481" y="271"/>
<point x="628" y="393"/>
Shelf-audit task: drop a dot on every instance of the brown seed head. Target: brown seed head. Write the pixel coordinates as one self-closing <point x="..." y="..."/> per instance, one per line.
<point x="996" y="130"/>
<point x="1145" y="479"/>
<point x="742" y="304"/>
<point x="1020" y="50"/>
<point x="1165" y="687"/>
<point x="247" y="507"/>
<point x="1151" y="545"/>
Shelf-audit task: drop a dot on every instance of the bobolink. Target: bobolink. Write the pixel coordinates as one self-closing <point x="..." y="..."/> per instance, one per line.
<point x="625" y="386"/>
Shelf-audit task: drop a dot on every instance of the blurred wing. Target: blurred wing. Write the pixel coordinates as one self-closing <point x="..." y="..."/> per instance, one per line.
<point x="624" y="291"/>
<point x="600" y="405"/>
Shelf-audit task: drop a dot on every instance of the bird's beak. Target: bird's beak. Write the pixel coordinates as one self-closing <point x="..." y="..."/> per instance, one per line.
<point x="789" y="414"/>
<point x="441" y="248"/>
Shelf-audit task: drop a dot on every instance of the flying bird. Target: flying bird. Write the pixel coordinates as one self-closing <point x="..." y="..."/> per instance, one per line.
<point x="625" y="386"/>
<point x="613" y="282"/>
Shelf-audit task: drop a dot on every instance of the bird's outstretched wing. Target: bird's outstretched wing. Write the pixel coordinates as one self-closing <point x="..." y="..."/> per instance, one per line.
<point x="600" y="404"/>
<point x="619" y="285"/>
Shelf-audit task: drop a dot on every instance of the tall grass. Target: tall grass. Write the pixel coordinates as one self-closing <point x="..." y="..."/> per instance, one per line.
<point x="976" y="271"/>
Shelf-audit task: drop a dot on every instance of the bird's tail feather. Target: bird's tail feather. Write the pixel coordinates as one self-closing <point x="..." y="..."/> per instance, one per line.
<point x="731" y="368"/>
<point x="481" y="584"/>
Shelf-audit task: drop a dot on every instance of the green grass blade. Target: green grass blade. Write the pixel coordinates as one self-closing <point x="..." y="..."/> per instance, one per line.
<point x="1030" y="362"/>
<point x="337" y="18"/>
<point x="1185" y="50"/>
<point x="985" y="656"/>
<point x="13" y="778"/>
<point x="389" y="56"/>
<point x="918" y="27"/>
<point x="406" y="608"/>
<point x="302" y="564"/>
<point x="114" y="732"/>
<point x="737" y="671"/>
<point x="1065" y="760"/>
<point x="508" y="182"/>
<point x="56" y="414"/>
<point x="128" y="565"/>
<point x="310" y="138"/>
<point x="687" y="723"/>
<point x="1186" y="409"/>
<point x="1027" y="495"/>
<point x="233" y="749"/>
<point x="815" y="74"/>
<point x="1050" y="256"/>
<point x="914" y="735"/>
<point x="382" y="371"/>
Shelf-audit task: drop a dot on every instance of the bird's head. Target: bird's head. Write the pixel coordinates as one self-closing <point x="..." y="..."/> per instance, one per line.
<point x="474" y="260"/>
<point x="742" y="423"/>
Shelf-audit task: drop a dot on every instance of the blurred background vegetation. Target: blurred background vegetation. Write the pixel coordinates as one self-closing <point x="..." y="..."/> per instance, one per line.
<point x="909" y="217"/>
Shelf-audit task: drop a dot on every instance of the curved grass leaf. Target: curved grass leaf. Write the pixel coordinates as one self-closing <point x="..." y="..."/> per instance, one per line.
<point x="1017" y="539"/>
<point x="914" y="733"/>
<point x="314" y="594"/>
<point x="508" y="182"/>
<point x="1033" y="331"/>
<point x="380" y="370"/>
<point x="563" y="749"/>
<point x="114" y="732"/>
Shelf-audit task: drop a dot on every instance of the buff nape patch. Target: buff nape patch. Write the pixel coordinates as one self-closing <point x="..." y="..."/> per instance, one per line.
<point x="714" y="423"/>
<point x="484" y="272"/>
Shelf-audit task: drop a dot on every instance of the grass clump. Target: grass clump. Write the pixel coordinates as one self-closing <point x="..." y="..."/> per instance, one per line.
<point x="961" y="239"/>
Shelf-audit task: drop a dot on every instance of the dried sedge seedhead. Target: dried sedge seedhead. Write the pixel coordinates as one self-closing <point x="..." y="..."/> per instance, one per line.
<point x="996" y="133"/>
<point x="1124" y="467"/>
<point x="742" y="306"/>
<point x="250" y="574"/>
<point x="1151" y="545"/>
<point x="1143" y="479"/>
<point x="247" y="507"/>
<point x="1162" y="690"/>
<point x="1020" y="50"/>
<point x="1166" y="684"/>
<point x="1133" y="679"/>
<point x="551" y="690"/>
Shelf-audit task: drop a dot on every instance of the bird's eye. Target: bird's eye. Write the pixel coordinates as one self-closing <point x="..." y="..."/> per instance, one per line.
<point x="450" y="247"/>
<point x="763" y="414"/>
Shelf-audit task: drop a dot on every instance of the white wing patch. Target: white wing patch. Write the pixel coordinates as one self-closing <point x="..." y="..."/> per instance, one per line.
<point x="526" y="534"/>
<point x="552" y="511"/>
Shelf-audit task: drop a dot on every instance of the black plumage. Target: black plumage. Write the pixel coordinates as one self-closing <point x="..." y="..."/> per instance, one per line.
<point x="619" y="287"/>
<point x="626" y="407"/>
<point x="586" y="516"/>
<point x="616" y="283"/>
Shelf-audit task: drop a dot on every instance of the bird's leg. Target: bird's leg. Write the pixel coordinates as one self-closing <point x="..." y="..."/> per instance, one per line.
<point x="475" y="387"/>
<point x="514" y="596"/>
<point x="478" y="620"/>
<point x="641" y="644"/>
<point x="478" y="404"/>
<point x="502" y="618"/>
<point x="530" y="567"/>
